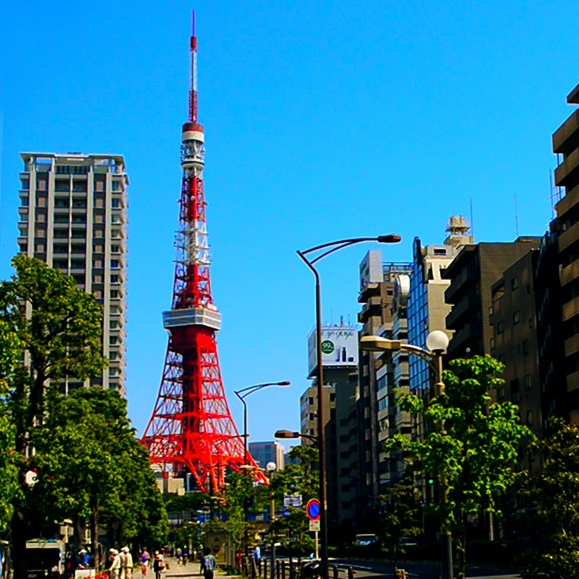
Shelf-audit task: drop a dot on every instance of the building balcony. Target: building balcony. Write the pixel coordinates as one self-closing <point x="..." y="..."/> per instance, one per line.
<point x="566" y="138"/>
<point x="466" y="333"/>
<point x="462" y="309"/>
<point x="573" y="382"/>
<point x="369" y="290"/>
<point x="572" y="345"/>
<point x="570" y="309"/>
<point x="568" y="237"/>
<point x="569" y="273"/>
<point x="567" y="173"/>
<point x="373" y="307"/>
<point x="568" y="202"/>
<point x="461" y="282"/>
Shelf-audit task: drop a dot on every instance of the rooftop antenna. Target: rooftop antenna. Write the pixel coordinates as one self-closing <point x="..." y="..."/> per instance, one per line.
<point x="471" y="219"/>
<point x="516" y="216"/>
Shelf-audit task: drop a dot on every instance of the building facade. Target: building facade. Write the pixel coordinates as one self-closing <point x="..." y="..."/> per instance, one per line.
<point x="73" y="217"/>
<point x="376" y="382"/>
<point x="472" y="274"/>
<point x="566" y="228"/>
<point x="340" y="365"/>
<point x="427" y="308"/>
<point x="266" y="452"/>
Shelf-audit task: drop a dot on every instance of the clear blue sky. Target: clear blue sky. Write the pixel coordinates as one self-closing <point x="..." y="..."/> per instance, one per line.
<point x="323" y="120"/>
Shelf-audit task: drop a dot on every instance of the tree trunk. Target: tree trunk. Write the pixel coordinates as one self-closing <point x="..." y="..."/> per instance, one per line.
<point x="94" y="537"/>
<point x="18" y="530"/>
<point x="461" y="555"/>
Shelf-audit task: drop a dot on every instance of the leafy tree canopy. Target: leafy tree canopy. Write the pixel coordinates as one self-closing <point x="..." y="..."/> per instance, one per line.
<point x="470" y="445"/>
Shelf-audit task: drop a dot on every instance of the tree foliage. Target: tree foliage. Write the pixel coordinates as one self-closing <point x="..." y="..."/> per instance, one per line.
<point x="55" y="329"/>
<point x="296" y="479"/>
<point x="470" y="445"/>
<point x="93" y="468"/>
<point x="401" y="513"/>
<point x="553" y="513"/>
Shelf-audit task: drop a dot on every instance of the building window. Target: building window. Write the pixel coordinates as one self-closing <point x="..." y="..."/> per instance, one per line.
<point x="528" y="382"/>
<point x="115" y="264"/>
<point x="115" y="203"/>
<point x="529" y="418"/>
<point x="492" y="343"/>
<point x="516" y="317"/>
<point x="500" y="327"/>
<point x="514" y="283"/>
<point x="531" y="323"/>
<point x="525" y="347"/>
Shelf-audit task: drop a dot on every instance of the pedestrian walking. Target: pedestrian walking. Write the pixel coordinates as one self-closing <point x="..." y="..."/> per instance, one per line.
<point x="207" y="564"/>
<point x="256" y="556"/>
<point x="115" y="568"/>
<point x="158" y="565"/>
<point x="123" y="558"/>
<point x="144" y="561"/>
<point x="127" y="562"/>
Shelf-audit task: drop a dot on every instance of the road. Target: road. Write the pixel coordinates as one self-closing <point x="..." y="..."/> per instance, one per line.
<point x="380" y="568"/>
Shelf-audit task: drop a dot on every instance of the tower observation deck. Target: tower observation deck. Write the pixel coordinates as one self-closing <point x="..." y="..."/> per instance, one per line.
<point x="191" y="429"/>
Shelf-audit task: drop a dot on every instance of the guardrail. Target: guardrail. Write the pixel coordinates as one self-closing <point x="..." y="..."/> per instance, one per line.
<point x="292" y="568"/>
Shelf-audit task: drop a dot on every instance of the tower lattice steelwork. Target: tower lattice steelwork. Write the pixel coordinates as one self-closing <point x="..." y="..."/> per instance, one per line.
<point x="191" y="429"/>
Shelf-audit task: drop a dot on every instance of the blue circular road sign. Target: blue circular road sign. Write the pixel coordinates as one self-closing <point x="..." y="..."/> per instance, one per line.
<point x="313" y="509"/>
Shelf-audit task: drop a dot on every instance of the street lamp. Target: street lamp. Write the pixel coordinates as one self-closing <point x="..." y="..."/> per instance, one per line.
<point x="437" y="343"/>
<point x="292" y="434"/>
<point x="322" y="251"/>
<point x="242" y="395"/>
<point x="270" y="467"/>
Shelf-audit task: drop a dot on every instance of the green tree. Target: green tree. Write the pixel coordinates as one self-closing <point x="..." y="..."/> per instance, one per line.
<point x="297" y="479"/>
<point x="93" y="470"/>
<point x="57" y="328"/>
<point x="237" y="495"/>
<point x="9" y="360"/>
<point x="401" y="517"/>
<point x="554" y="513"/>
<point x="470" y="446"/>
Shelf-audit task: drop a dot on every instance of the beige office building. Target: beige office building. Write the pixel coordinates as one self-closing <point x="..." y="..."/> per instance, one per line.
<point x="73" y="216"/>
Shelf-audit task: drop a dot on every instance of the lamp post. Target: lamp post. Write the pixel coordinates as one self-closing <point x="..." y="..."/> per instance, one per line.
<point x="242" y="395"/>
<point x="437" y="343"/>
<point x="320" y="252"/>
<point x="270" y="467"/>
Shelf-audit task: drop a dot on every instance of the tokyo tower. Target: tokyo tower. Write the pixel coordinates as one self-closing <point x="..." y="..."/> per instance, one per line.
<point x="191" y="429"/>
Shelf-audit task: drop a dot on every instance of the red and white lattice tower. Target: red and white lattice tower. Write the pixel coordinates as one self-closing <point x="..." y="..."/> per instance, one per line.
<point x="191" y="429"/>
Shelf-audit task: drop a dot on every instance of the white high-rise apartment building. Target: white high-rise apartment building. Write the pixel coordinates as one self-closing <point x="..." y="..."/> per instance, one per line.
<point x="73" y="216"/>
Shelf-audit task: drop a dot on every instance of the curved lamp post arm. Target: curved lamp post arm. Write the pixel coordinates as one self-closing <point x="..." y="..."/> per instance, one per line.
<point x="327" y="249"/>
<point x="242" y="394"/>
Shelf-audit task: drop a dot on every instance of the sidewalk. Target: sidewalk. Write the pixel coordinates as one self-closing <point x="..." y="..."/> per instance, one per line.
<point x="177" y="570"/>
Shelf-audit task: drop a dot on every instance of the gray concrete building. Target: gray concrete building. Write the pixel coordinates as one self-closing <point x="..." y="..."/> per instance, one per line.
<point x="73" y="216"/>
<point x="266" y="452"/>
<point x="472" y="274"/>
<point x="375" y="383"/>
